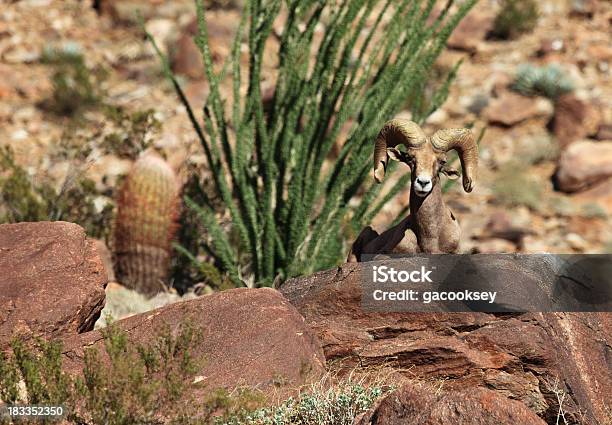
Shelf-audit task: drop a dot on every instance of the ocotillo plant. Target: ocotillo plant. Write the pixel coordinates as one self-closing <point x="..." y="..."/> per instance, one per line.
<point x="146" y="220"/>
<point x="292" y="214"/>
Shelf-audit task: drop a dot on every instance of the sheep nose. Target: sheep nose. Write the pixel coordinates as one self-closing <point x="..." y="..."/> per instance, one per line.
<point x="422" y="181"/>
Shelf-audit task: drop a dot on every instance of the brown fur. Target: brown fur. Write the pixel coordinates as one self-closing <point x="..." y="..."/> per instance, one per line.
<point x="430" y="227"/>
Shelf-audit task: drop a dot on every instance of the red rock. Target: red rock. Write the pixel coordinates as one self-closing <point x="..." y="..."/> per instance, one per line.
<point x="551" y="46"/>
<point x="600" y="52"/>
<point x="472" y="30"/>
<point x="127" y="11"/>
<point x="186" y="59"/>
<point x="585" y="8"/>
<point x="106" y="257"/>
<point x="494" y="246"/>
<point x="51" y="280"/>
<point x="251" y="337"/>
<point x="511" y="108"/>
<point x="500" y="226"/>
<point x="582" y="165"/>
<point x="604" y="132"/>
<point x="186" y="56"/>
<point x="517" y="355"/>
<point x="574" y="119"/>
<point x="423" y="405"/>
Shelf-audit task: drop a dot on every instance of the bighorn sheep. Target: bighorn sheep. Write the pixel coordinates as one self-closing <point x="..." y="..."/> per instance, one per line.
<point x="430" y="227"/>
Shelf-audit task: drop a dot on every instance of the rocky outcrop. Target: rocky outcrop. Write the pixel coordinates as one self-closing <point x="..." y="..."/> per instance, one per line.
<point x="250" y="337"/>
<point x="527" y="357"/>
<point x="51" y="281"/>
<point x="412" y="404"/>
<point x="583" y="165"/>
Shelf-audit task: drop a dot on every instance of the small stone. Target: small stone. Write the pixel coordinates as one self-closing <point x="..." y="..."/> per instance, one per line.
<point x="582" y="165"/>
<point x="439" y="117"/>
<point x="162" y="31"/>
<point x="576" y="242"/>
<point x="574" y="119"/>
<point x="494" y="246"/>
<point x="551" y="46"/>
<point x="604" y="132"/>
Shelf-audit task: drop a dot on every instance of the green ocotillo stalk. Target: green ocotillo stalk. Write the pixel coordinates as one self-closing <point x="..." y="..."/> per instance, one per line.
<point x="348" y="64"/>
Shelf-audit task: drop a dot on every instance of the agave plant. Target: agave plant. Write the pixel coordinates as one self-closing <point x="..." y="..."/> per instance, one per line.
<point x="550" y="81"/>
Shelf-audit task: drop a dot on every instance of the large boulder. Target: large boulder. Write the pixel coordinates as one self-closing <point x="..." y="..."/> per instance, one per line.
<point x="250" y="338"/>
<point x="574" y="119"/>
<point x="51" y="281"/>
<point x="529" y="357"/>
<point x="471" y="32"/>
<point x="422" y="405"/>
<point x="584" y="164"/>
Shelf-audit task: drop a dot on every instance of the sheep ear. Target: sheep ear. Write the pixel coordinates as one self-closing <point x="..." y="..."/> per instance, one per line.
<point x="451" y="173"/>
<point x="395" y="154"/>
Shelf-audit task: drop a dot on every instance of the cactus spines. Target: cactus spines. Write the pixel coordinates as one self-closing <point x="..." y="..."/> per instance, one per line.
<point x="145" y="225"/>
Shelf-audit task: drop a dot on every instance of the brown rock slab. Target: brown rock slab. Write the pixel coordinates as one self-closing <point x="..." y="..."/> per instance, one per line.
<point x="186" y="57"/>
<point x="250" y="337"/>
<point x="511" y="108"/>
<point x="51" y="280"/>
<point x="472" y="30"/>
<point x="583" y="165"/>
<point x="106" y="257"/>
<point x="574" y="119"/>
<point x="494" y="246"/>
<point x="604" y="132"/>
<point x="522" y="356"/>
<point x="501" y="226"/>
<point x="412" y="404"/>
<point x="600" y="194"/>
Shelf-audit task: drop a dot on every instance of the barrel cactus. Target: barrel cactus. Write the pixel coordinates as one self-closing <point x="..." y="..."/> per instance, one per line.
<point x="145" y="225"/>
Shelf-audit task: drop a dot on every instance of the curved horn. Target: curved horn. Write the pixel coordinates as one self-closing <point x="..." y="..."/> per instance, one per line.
<point x="394" y="132"/>
<point x="462" y="140"/>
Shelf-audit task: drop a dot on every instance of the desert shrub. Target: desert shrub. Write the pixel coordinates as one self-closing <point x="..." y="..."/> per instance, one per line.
<point x="338" y="405"/>
<point x="24" y="199"/>
<point x="75" y="87"/>
<point x="290" y="212"/>
<point x="134" y="131"/>
<point x="153" y="383"/>
<point x="515" y="17"/>
<point x="513" y="186"/>
<point x="126" y="384"/>
<point x="593" y="210"/>
<point x="549" y="81"/>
